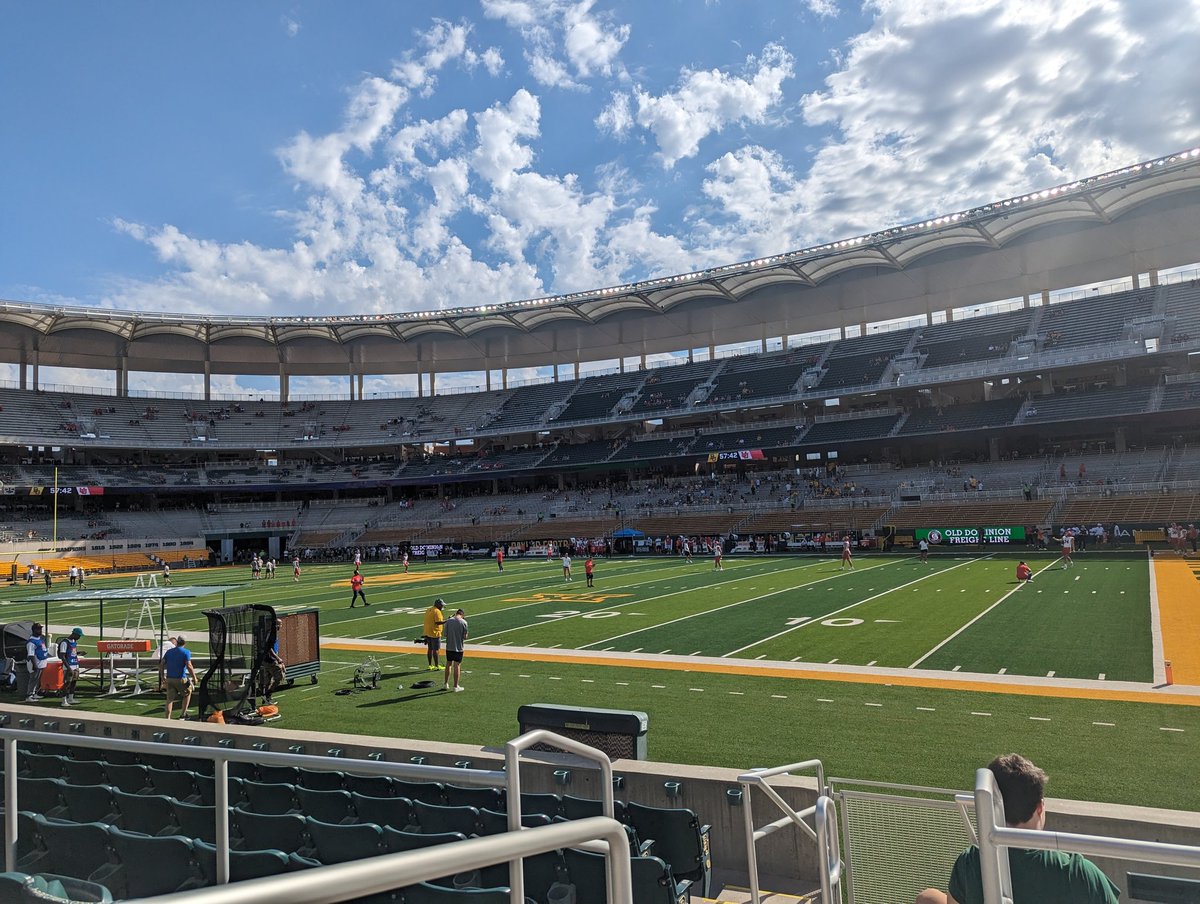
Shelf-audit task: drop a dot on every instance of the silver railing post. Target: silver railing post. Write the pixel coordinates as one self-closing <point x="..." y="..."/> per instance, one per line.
<point x="757" y="778"/>
<point x="993" y="858"/>
<point x="512" y="769"/>
<point x="221" y="801"/>
<point x="10" y="808"/>
<point x="829" y="850"/>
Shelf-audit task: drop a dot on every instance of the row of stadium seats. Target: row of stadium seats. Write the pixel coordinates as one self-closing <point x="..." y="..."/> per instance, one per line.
<point x="133" y="796"/>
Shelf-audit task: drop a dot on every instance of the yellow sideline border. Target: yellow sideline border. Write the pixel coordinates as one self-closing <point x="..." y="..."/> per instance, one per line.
<point x="804" y="673"/>
<point x="1178" y="582"/>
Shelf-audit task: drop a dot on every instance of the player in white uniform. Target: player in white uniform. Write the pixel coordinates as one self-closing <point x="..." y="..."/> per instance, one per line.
<point x="847" y="555"/>
<point x="1068" y="547"/>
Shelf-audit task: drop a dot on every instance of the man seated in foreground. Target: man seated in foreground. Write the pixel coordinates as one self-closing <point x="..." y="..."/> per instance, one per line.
<point x="1036" y="875"/>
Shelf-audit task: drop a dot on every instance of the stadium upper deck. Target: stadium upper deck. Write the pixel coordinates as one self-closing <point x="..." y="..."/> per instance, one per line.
<point x="1140" y="219"/>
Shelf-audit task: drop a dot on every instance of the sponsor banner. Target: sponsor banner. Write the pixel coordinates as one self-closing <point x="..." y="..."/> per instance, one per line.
<point x="738" y="455"/>
<point x="970" y="535"/>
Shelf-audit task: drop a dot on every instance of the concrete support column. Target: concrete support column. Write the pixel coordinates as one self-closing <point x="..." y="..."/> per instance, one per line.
<point x="1137" y="280"/>
<point x="764" y="345"/>
<point x="642" y="365"/>
<point x="283" y="385"/>
<point x="504" y="378"/>
<point x="1119" y="440"/>
<point x="360" y="386"/>
<point x="24" y="375"/>
<point x="1153" y="277"/>
<point x="691" y="357"/>
<point x="994" y="449"/>
<point x="1025" y="300"/>
<point x="1045" y="296"/>
<point x="575" y="369"/>
<point x="949" y="314"/>
<point x="207" y="381"/>
<point x="487" y="380"/>
<point x="36" y="362"/>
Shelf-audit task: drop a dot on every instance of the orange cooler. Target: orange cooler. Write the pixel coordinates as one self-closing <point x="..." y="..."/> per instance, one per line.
<point x="52" y="677"/>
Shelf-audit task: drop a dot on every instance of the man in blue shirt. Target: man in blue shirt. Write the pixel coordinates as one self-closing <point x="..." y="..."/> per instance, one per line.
<point x="180" y="676"/>
<point x="37" y="654"/>
<point x="68" y="652"/>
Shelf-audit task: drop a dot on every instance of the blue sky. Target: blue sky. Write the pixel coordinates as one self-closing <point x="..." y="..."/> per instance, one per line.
<point x="319" y="157"/>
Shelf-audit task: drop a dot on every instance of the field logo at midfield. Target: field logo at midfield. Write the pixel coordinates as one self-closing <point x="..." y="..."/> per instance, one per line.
<point x="567" y="598"/>
<point x="415" y="577"/>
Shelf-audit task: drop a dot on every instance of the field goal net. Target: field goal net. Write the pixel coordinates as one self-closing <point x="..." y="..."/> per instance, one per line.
<point x="241" y="639"/>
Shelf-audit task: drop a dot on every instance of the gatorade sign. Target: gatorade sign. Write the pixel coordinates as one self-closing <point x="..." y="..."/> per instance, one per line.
<point x="970" y="535"/>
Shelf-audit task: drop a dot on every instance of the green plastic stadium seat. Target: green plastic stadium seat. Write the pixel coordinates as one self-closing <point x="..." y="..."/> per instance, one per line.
<point x="176" y="783"/>
<point x="271" y="799"/>
<point x="242" y="864"/>
<point x="130" y="778"/>
<point x="260" y="832"/>
<point x="195" y="821"/>
<point x="679" y="839"/>
<point x="36" y="765"/>
<point x="427" y="792"/>
<point x="583" y="807"/>
<point x="275" y="775"/>
<point x="395" y="841"/>
<point x="328" y="806"/>
<point x="115" y="757"/>
<point x="320" y="780"/>
<point x="546" y="804"/>
<point x="88" y="803"/>
<point x="427" y="893"/>
<point x="493" y="822"/>
<point x="78" y="850"/>
<point x="48" y="889"/>
<point x="436" y="820"/>
<point x="652" y="880"/>
<point x="492" y="798"/>
<point x="161" y="761"/>
<point x="31" y="848"/>
<point x="370" y="785"/>
<point x="152" y="866"/>
<point x="340" y="843"/>
<point x="541" y="871"/>
<point x="41" y="795"/>
<point x="84" y="772"/>
<point x="393" y="812"/>
<point x="146" y="814"/>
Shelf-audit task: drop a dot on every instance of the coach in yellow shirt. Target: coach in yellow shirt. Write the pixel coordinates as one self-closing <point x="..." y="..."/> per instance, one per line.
<point x="433" y="633"/>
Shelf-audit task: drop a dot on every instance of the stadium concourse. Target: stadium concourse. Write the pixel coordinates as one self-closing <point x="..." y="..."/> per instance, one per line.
<point x="986" y="383"/>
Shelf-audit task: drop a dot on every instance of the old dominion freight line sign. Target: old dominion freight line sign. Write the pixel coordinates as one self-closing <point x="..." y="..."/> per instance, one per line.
<point x="974" y="535"/>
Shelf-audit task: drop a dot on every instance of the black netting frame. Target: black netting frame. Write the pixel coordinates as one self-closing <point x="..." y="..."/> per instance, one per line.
<point x="240" y="639"/>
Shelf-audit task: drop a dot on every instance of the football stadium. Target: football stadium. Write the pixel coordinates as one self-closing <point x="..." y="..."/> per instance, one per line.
<point x="891" y="505"/>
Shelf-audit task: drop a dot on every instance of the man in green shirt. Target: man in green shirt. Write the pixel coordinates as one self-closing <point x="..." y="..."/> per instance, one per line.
<point x="1054" y="877"/>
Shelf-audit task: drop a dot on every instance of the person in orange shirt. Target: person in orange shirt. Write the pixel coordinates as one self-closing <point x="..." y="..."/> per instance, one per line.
<point x="588" y="567"/>
<point x="1024" y="572"/>
<point x="356" y="585"/>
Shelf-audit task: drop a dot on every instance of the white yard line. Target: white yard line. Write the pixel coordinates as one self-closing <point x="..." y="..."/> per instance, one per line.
<point x="975" y="619"/>
<point x="708" y="611"/>
<point x="555" y="621"/>
<point x="1160" y="662"/>
<point x="851" y="606"/>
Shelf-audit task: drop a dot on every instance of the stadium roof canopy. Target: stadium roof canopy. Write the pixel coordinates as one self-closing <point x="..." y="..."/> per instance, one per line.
<point x="1133" y="220"/>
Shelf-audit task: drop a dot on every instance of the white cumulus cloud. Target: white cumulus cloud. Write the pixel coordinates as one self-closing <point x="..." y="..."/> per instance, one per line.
<point x="707" y="101"/>
<point x="566" y="40"/>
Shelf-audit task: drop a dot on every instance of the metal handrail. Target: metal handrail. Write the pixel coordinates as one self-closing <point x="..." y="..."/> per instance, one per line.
<point x="758" y="778"/>
<point x="373" y="875"/>
<point x="512" y="767"/>
<point x="829" y="850"/>
<point x="995" y="837"/>
<point x="508" y="778"/>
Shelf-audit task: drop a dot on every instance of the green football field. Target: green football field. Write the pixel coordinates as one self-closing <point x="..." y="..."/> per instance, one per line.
<point x="960" y="613"/>
<point x="956" y="613"/>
